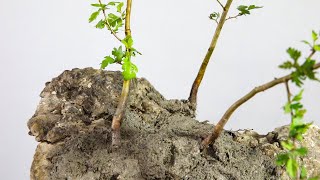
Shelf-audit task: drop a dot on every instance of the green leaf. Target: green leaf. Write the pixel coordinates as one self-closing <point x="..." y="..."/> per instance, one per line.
<point x="298" y="97"/>
<point x="128" y="42"/>
<point x="245" y="10"/>
<point x="214" y="16"/>
<point x="101" y="24"/>
<point x="316" y="47"/>
<point x="102" y="6"/>
<point x="254" y="7"/>
<point x="296" y="78"/>
<point x="287" y="145"/>
<point x="118" y="54"/>
<point x="294" y="54"/>
<point x="112" y="3"/>
<point x="292" y="168"/>
<point x="286" y="65"/>
<point x="301" y="151"/>
<point x="282" y="159"/>
<point x="94" y="16"/>
<point x="314" y="36"/>
<point x="287" y="108"/>
<point x="119" y="7"/>
<point x="303" y="173"/>
<point x="107" y="60"/>
<point x="129" y="69"/>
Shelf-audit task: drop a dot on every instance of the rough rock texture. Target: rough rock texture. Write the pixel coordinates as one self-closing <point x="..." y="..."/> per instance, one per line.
<point x="160" y="138"/>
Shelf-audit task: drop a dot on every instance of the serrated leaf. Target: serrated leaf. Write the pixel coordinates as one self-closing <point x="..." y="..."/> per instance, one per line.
<point x="102" y="6"/>
<point x="119" y="7"/>
<point x="294" y="54"/>
<point x="101" y="24"/>
<point x="118" y="54"/>
<point x="282" y="159"/>
<point x="303" y="172"/>
<point x="128" y="42"/>
<point x="286" y="65"/>
<point x="292" y="168"/>
<point x="94" y="16"/>
<point x="107" y="60"/>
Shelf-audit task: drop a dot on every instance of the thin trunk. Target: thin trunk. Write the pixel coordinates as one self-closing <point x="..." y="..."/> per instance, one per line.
<point x="197" y="81"/>
<point x="118" y="116"/>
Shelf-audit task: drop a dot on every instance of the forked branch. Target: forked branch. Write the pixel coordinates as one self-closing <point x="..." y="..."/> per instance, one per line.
<point x="219" y="127"/>
<point x="197" y="81"/>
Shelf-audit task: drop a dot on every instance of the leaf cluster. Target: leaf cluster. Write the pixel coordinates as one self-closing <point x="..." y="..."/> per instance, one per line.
<point x="112" y="20"/>
<point x="302" y="71"/>
<point x="245" y="10"/>
<point x="123" y="57"/>
<point x="297" y="128"/>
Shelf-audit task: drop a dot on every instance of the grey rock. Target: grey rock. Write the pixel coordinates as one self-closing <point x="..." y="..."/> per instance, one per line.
<point x="160" y="138"/>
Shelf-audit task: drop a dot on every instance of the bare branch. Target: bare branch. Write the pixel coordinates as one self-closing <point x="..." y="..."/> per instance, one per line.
<point x="221" y="5"/>
<point x="219" y="127"/>
<point x="197" y="81"/>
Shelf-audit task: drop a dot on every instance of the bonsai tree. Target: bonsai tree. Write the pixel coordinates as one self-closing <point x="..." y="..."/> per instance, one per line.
<point x="112" y="16"/>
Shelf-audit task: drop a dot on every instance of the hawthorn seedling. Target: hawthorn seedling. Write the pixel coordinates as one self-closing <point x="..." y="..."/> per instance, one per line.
<point x="112" y="19"/>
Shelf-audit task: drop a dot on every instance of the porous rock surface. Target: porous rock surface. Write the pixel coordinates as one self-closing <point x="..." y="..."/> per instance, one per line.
<point x="160" y="138"/>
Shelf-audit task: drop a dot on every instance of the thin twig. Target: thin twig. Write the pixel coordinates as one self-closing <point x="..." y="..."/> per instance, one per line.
<point x="233" y="17"/>
<point x="219" y="127"/>
<point x="221" y="5"/>
<point x="195" y="86"/>
<point x="289" y="97"/>
<point x="107" y="23"/>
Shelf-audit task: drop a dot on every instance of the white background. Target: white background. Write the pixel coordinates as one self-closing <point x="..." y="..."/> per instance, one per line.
<point x="41" y="38"/>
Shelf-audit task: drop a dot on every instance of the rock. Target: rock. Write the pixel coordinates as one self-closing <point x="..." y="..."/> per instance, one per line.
<point x="160" y="138"/>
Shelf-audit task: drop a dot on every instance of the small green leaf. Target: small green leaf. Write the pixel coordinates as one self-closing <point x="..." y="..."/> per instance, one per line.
<point x="294" y="54"/>
<point x="298" y="97"/>
<point x="287" y="145"/>
<point x="254" y="7"/>
<point x="94" y="16"/>
<point x="292" y="168"/>
<point x="314" y="36"/>
<point x="287" y="108"/>
<point x="128" y="42"/>
<point x="102" y="6"/>
<point x="107" y="60"/>
<point x="282" y="159"/>
<point x="119" y="7"/>
<point x="316" y="47"/>
<point x="286" y="65"/>
<point x="301" y="151"/>
<point x="214" y="16"/>
<point x="101" y="24"/>
<point x="303" y="173"/>
<point x="118" y="54"/>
